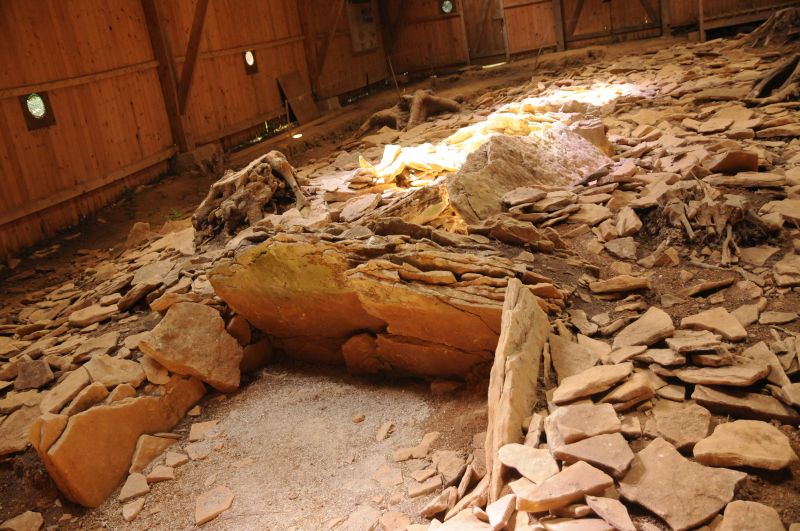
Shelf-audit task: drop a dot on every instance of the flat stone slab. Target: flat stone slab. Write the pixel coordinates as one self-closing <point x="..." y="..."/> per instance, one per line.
<point x="717" y="320"/>
<point x="682" y="424"/>
<point x="570" y="358"/>
<point x="191" y="340"/>
<point x="683" y="493"/>
<point x="684" y="341"/>
<point x="211" y="504"/>
<point x="750" y="516"/>
<point x="534" y="464"/>
<point x="650" y="328"/>
<point x="610" y="453"/>
<point x="746" y="443"/>
<point x="612" y="511"/>
<point x="744" y="405"/>
<point x="114" y="371"/>
<point x="742" y="375"/>
<point x="569" y="485"/>
<point x="27" y="521"/>
<point x="593" y="380"/>
<point x="582" y="421"/>
<point x="620" y="284"/>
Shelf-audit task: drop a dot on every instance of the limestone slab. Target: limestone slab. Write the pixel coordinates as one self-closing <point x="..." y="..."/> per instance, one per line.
<point x="683" y="493"/>
<point x="650" y="328"/>
<point x="610" y="453"/>
<point x="746" y="443"/>
<point x="591" y="381"/>
<point x="534" y="464"/>
<point x="191" y="340"/>
<point x="717" y="320"/>
<point x="569" y="485"/>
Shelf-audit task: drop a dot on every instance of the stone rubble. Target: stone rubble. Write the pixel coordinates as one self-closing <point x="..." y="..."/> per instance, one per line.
<point x="625" y="269"/>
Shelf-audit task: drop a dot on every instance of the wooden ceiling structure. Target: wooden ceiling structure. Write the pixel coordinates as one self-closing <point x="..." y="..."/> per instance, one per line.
<point x="126" y="85"/>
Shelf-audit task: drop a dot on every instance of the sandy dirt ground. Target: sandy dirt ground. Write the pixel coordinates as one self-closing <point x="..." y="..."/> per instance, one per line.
<point x="288" y="448"/>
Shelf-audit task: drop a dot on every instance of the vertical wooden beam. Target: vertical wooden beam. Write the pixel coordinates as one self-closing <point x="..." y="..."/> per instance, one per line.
<point x="702" y="21"/>
<point x="394" y="28"/>
<point x="573" y="21"/>
<point x="464" y="31"/>
<point x="191" y="53"/>
<point x="558" y="21"/>
<point x="166" y="75"/>
<point x="487" y="4"/>
<point x="326" y="46"/>
<point x="310" y="41"/>
<point x="666" y="18"/>
<point x="505" y="29"/>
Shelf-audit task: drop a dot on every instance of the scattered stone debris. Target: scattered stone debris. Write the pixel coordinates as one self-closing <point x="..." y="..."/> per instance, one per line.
<point x="617" y="250"/>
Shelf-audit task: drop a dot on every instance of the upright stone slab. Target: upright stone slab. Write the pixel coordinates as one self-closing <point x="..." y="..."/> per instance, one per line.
<point x="94" y="452"/>
<point x="512" y="383"/>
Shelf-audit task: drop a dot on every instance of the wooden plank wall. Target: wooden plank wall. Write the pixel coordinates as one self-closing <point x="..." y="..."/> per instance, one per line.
<point x="529" y="25"/>
<point x="224" y="99"/>
<point x="345" y="69"/>
<point x="483" y="20"/>
<point x="685" y="12"/>
<point x="426" y="38"/>
<point x="107" y="104"/>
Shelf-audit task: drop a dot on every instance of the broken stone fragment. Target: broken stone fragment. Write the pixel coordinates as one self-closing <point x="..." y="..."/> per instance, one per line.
<point x="682" y="424"/>
<point x="27" y="521"/>
<point x="212" y="503"/>
<point x="388" y="476"/>
<point x="622" y="248"/>
<point x="650" y="328"/>
<point x="148" y="448"/>
<point x="114" y="371"/>
<point x="89" y="396"/>
<point x="610" y="453"/>
<point x="787" y="271"/>
<point x="426" y="487"/>
<point x="15" y="428"/>
<point x="760" y="353"/>
<point x="570" y="358"/>
<point x="581" y="421"/>
<point x="161" y="473"/>
<point x="620" y="284"/>
<point x="93" y="453"/>
<point x="717" y="320"/>
<point x="744" y="405"/>
<point x="743" y="515"/>
<point x="591" y="381"/>
<point x="612" y="511"/>
<point x="534" y="464"/>
<point x="742" y="374"/>
<point x="33" y="374"/>
<point x="500" y="512"/>
<point x="569" y="485"/>
<point x="636" y="389"/>
<point x="733" y="161"/>
<point x="750" y="443"/>
<point x="683" y="493"/>
<point x="445" y="501"/>
<point x="135" y="486"/>
<point x="628" y="223"/>
<point x="132" y="509"/>
<point x="91" y="314"/>
<point x="191" y="340"/>
<point x="684" y="341"/>
<point x="175" y="459"/>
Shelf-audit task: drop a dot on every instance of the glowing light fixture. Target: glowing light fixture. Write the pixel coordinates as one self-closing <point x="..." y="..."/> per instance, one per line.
<point x="297" y="135"/>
